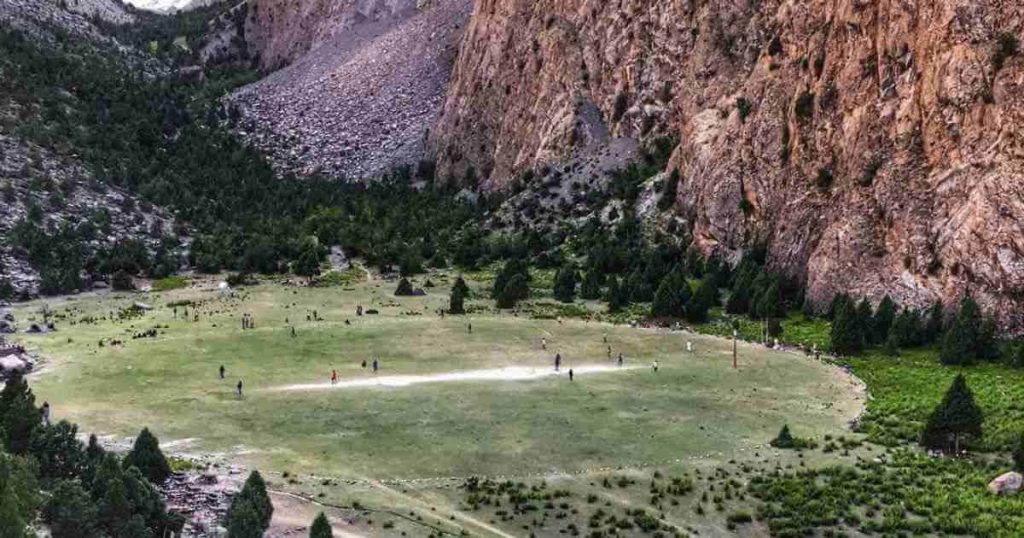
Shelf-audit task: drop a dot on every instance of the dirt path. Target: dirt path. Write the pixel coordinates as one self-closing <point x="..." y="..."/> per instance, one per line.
<point x="511" y="373"/>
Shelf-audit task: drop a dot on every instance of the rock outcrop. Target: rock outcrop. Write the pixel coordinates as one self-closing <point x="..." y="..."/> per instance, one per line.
<point x="364" y="83"/>
<point x="877" y="147"/>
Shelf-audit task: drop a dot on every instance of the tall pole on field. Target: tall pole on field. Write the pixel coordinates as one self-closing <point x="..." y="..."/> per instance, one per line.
<point x="734" y="335"/>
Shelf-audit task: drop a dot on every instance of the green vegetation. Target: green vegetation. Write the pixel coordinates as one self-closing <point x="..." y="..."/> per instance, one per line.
<point x="910" y="495"/>
<point x="251" y="510"/>
<point x="146" y="456"/>
<point x="321" y="528"/>
<point x="171" y="283"/>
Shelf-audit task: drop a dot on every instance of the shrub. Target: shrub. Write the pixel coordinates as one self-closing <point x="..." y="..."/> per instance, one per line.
<point x="804" y="107"/>
<point x="321" y="528"/>
<point x="404" y="288"/>
<point x="122" y="281"/>
<point x="743" y="106"/>
<point x="147" y="457"/>
<point x="1007" y="46"/>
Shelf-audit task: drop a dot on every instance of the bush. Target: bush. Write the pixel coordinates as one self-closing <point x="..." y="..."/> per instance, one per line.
<point x="321" y="528"/>
<point x="404" y="288"/>
<point x="122" y="281"/>
<point x="1007" y="46"/>
<point x="804" y="106"/>
<point x="147" y="457"/>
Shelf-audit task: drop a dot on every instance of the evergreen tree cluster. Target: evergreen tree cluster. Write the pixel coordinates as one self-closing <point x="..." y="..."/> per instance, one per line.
<point x="251" y="510"/>
<point x="857" y="326"/>
<point x="459" y="294"/>
<point x="956" y="419"/>
<point x="512" y="283"/>
<point x="89" y="492"/>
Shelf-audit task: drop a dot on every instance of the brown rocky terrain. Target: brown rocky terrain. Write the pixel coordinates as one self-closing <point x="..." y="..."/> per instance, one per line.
<point x="876" y="146"/>
<point x="363" y="85"/>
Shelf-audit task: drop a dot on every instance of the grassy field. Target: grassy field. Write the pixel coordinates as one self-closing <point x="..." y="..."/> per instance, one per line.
<point x="695" y="411"/>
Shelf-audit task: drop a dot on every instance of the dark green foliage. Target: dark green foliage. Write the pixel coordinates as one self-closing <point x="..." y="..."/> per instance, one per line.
<point x="784" y="439"/>
<point x="19" y="496"/>
<point x="768" y="303"/>
<point x="457" y="301"/>
<point x="823" y="181"/>
<point x="70" y="512"/>
<point x="511" y="268"/>
<point x="847" y="338"/>
<point x="1007" y="46"/>
<point x="404" y="288"/>
<point x="310" y="256"/>
<point x="565" y="283"/>
<point x="122" y="281"/>
<point x="147" y="457"/>
<point x="251" y="509"/>
<point x="590" y="289"/>
<point x="617" y="296"/>
<point x="705" y="298"/>
<point x="906" y="329"/>
<point x="122" y="495"/>
<point x="883" y="319"/>
<point x="891" y="346"/>
<point x="804" y="106"/>
<point x="955" y="418"/>
<point x="934" y="322"/>
<point x="321" y="528"/>
<point x="668" y="195"/>
<point x="743" y="106"/>
<point x="517" y="289"/>
<point x="1018" y="454"/>
<point x="1017" y="356"/>
<point x="672" y="297"/>
<point x="19" y="417"/>
<point x="59" y="452"/>
<point x="970" y="338"/>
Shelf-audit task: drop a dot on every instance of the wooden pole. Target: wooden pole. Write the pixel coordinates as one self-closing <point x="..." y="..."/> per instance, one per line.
<point x="734" y="335"/>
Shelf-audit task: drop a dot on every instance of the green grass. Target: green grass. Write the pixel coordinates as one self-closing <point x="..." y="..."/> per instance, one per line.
<point x="911" y="494"/>
<point x="171" y="283"/>
<point x="905" y="389"/>
<point x="696" y="405"/>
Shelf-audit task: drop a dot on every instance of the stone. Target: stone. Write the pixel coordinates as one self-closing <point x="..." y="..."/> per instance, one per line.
<point x="1006" y="484"/>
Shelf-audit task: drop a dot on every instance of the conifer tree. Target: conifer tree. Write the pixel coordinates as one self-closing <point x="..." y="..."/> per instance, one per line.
<point x="668" y="195"/>
<point x="252" y="498"/>
<point x="883" y="319"/>
<point x="70" y="512"/>
<point x="1018" y="453"/>
<point x="933" y="323"/>
<point x="457" y="299"/>
<point x="702" y="301"/>
<point x="784" y="439"/>
<point x="614" y="296"/>
<point x="565" y="284"/>
<point x="970" y="337"/>
<point x="846" y="335"/>
<point x="672" y="296"/>
<point x="19" y="417"/>
<point x="516" y="289"/>
<point x="955" y="419"/>
<point x="404" y="288"/>
<point x="147" y="457"/>
<point x="321" y="528"/>
<point x="590" y="289"/>
<point x="865" y="316"/>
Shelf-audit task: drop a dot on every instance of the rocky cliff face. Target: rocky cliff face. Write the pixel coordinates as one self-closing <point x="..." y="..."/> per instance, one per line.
<point x="365" y="81"/>
<point x="877" y="146"/>
<point x="281" y="31"/>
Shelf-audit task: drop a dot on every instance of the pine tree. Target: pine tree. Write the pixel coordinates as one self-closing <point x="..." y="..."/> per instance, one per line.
<point x="19" y="495"/>
<point x="837" y="300"/>
<point x="865" y="316"/>
<point x="147" y="457"/>
<point x="672" y="297"/>
<point x="615" y="297"/>
<point x="70" y="512"/>
<point x="846" y="335"/>
<point x="906" y="328"/>
<point x="253" y="497"/>
<point x="784" y="439"/>
<point x="769" y="304"/>
<point x="956" y="418"/>
<point x="513" y="267"/>
<point x="565" y="284"/>
<point x="970" y="338"/>
<point x="891" y="346"/>
<point x="457" y="300"/>
<point x="933" y="323"/>
<point x="590" y="289"/>
<point x="515" y="290"/>
<point x="19" y="417"/>
<point x="702" y="301"/>
<point x="883" y="319"/>
<point x="321" y="528"/>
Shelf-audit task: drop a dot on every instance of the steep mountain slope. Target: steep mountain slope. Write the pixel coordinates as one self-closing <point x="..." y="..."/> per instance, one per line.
<point x="47" y="188"/>
<point x="367" y="93"/>
<point x="875" y="146"/>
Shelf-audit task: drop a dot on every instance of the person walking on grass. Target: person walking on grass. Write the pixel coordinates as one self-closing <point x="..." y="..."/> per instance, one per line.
<point x="376" y="364"/>
<point x="334" y="377"/>
<point x="238" y="389"/>
<point x="558" y="361"/>
<point x="470" y="328"/>
<point x="620" y="360"/>
<point x="222" y="372"/>
<point x="655" y="366"/>
<point x="544" y="343"/>
<point x="570" y="375"/>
